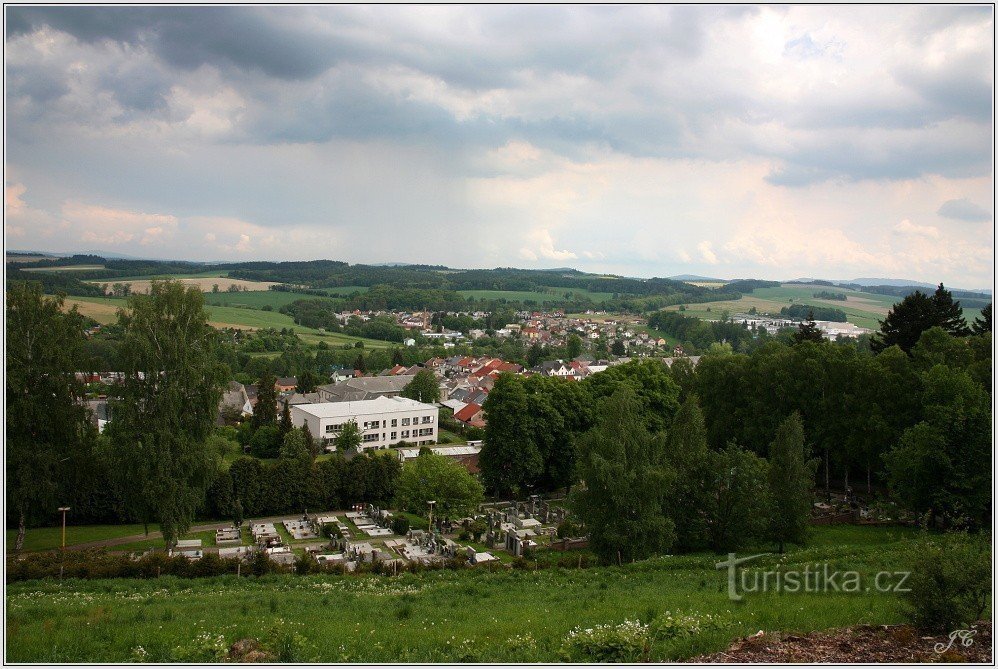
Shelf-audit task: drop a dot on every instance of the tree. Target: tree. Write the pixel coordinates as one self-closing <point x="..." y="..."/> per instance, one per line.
<point x="423" y="387"/>
<point x="359" y="362"/>
<point x="690" y="497"/>
<point x="307" y="381"/>
<point x="738" y="513"/>
<point x="916" y="313"/>
<point x="313" y="445"/>
<point x="349" y="437"/>
<point x="45" y="422"/>
<point x="618" y="348"/>
<point x="905" y="323"/>
<point x="237" y="513"/>
<point x="169" y="401"/>
<point x="574" y="346"/>
<point x="949" y="315"/>
<point x="982" y="323"/>
<point x="438" y="478"/>
<point x="626" y="480"/>
<point x="509" y="458"/>
<point x="294" y="447"/>
<point x="791" y="480"/>
<point x="535" y="354"/>
<point x="285" y="426"/>
<point x="266" y="442"/>
<point x="808" y="331"/>
<point x="265" y="410"/>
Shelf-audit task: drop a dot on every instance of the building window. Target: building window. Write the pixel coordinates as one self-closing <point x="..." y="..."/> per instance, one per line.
<point x="395" y="422"/>
<point x="371" y="437"/>
<point x="427" y="419"/>
<point x="330" y="429"/>
<point x="394" y="435"/>
<point x="405" y="434"/>
<point x="405" y="421"/>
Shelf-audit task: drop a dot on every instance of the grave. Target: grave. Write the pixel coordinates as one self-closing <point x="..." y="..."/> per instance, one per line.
<point x="227" y="537"/>
<point x="241" y="552"/>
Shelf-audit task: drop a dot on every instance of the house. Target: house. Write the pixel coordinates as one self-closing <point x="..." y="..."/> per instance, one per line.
<point x="286" y="384"/>
<point x="472" y="415"/>
<point x="100" y="413"/>
<point x="364" y="388"/>
<point x="234" y="399"/>
<point x="383" y="421"/>
<point x="396" y="370"/>
<point x="304" y="398"/>
<point x="409" y="342"/>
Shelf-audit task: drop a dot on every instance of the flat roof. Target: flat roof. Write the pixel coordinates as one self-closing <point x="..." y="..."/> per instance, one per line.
<point x="362" y="407"/>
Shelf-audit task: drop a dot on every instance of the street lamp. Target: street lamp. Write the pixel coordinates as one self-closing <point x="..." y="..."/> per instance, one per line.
<point x="431" y="503"/>
<point x="64" y="509"/>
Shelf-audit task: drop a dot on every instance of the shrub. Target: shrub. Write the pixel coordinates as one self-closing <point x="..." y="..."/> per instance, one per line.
<point x="400" y="525"/>
<point x="626" y="642"/>
<point x="950" y="582"/>
<point x="676" y="626"/>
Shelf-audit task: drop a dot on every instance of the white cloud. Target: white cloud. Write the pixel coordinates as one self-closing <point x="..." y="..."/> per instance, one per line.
<point x="707" y="253"/>
<point x="906" y="227"/>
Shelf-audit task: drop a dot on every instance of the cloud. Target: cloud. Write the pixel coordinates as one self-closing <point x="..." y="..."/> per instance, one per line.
<point x="906" y="227"/>
<point x="964" y="210"/>
<point x="543" y="248"/>
<point x="707" y="253"/>
<point x="99" y="224"/>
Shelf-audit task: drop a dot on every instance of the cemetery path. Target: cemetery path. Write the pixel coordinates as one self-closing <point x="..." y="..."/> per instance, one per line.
<point x="208" y="527"/>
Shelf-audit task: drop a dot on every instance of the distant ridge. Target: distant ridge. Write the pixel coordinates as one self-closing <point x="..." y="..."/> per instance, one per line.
<point x="695" y="277"/>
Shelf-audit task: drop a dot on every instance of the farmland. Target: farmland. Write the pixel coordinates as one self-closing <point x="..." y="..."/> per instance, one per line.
<point x="862" y="309"/>
<point x="481" y="615"/>
<point x="204" y="283"/>
<point x="104" y="310"/>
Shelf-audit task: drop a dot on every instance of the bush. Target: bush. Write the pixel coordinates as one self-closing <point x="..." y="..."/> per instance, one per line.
<point x="626" y="642"/>
<point x="400" y="525"/>
<point x="950" y="582"/>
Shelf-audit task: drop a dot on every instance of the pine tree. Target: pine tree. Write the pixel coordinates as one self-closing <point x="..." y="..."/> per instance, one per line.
<point x="313" y="446"/>
<point x="982" y="323"/>
<point x="949" y="315"/>
<point x="688" y="499"/>
<point x="265" y="411"/>
<point x="285" y="425"/>
<point x="808" y="331"/>
<point x="791" y="480"/>
<point x="905" y="323"/>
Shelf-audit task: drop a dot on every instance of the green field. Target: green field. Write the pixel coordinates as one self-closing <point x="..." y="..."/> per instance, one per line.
<point x="48" y="538"/>
<point x="473" y="615"/>
<point x="548" y="294"/>
<point x="862" y="309"/>
<point x="103" y="310"/>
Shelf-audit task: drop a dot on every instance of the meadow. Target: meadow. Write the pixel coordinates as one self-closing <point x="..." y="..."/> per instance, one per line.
<point x="104" y="310"/>
<point x="470" y="615"/>
<point x="862" y="309"/>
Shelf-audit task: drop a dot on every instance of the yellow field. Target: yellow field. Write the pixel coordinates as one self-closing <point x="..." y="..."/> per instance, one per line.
<point x="102" y="312"/>
<point x="205" y="284"/>
<point x="706" y="284"/>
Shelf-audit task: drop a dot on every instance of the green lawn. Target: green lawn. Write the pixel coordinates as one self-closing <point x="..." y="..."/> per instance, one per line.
<point x="255" y="299"/>
<point x="48" y="538"/>
<point x="474" y="615"/>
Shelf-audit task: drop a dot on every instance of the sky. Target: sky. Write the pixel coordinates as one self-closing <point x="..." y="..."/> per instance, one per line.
<point x="768" y="142"/>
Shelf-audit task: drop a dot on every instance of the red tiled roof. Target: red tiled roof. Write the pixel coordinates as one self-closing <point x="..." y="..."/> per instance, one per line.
<point x="465" y="414"/>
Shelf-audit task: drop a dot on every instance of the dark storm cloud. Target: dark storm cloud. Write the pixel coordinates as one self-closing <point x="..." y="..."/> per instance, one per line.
<point x="188" y="37"/>
<point x="964" y="210"/>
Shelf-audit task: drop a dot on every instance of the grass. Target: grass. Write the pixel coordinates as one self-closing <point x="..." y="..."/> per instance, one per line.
<point x="104" y="310"/>
<point x="452" y="438"/>
<point x="478" y="615"/>
<point x="48" y="538"/>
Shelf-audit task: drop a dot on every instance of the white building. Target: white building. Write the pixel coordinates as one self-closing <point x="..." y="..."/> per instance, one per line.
<point x="383" y="421"/>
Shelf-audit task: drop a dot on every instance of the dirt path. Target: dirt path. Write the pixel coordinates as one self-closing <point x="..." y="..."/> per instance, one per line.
<point x="861" y="644"/>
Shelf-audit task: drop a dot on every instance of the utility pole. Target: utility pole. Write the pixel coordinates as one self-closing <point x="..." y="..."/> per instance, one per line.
<point x="431" y="503"/>
<point x="62" y="566"/>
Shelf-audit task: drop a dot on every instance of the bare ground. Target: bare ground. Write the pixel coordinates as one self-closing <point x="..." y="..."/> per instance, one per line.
<point x="860" y="644"/>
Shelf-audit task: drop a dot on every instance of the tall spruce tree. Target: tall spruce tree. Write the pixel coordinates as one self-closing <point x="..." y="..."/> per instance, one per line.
<point x="791" y="480"/>
<point x="982" y="323"/>
<point x="265" y="410"/>
<point x="905" y="323"/>
<point x="949" y="314"/>
<point x="808" y="331"/>
<point x="689" y="497"/>
<point x="285" y="426"/>
<point x="169" y="401"/>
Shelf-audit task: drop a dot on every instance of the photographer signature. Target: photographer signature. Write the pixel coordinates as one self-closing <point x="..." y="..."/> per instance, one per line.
<point x="966" y="638"/>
